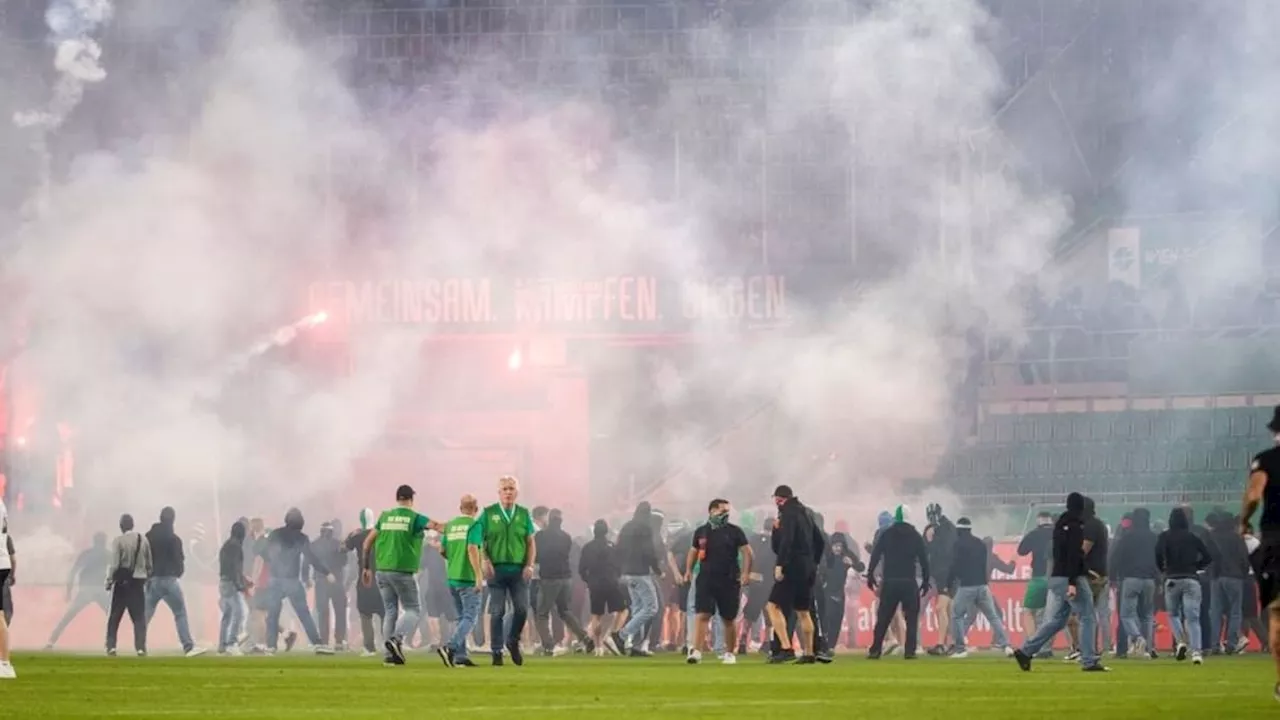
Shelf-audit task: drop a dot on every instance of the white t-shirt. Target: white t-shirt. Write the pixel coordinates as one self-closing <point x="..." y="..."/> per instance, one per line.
<point x="4" y="537"/>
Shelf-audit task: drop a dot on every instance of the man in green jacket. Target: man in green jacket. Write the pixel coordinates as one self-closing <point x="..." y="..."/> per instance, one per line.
<point x="509" y="556"/>
<point x="460" y="545"/>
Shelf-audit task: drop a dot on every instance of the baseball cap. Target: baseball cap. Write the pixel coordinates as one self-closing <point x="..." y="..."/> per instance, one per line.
<point x="964" y="524"/>
<point x="404" y="492"/>
<point x="783" y="491"/>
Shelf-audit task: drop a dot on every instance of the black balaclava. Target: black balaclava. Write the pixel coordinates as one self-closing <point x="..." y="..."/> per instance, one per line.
<point x="601" y="529"/>
<point x="238" y="531"/>
<point x="126" y="523"/>
<point x="167" y="516"/>
<point x="293" y="519"/>
<point x="1075" y="504"/>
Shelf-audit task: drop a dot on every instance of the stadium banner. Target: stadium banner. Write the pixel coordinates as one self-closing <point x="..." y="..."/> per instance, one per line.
<point x="38" y="608"/>
<point x="603" y="304"/>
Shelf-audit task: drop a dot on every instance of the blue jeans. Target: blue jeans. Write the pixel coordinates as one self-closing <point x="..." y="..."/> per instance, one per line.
<point x="1061" y="608"/>
<point x="232" y="614"/>
<point x="1228" y="598"/>
<point x="278" y="590"/>
<point x="507" y="583"/>
<point x="968" y="599"/>
<point x="466" y="601"/>
<point x="644" y="606"/>
<point x="1182" y="598"/>
<point x="170" y="591"/>
<point x="1137" y="613"/>
<point x="399" y="589"/>
<point x="717" y="627"/>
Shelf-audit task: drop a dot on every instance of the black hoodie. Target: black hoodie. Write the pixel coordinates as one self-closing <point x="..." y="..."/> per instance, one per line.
<point x="90" y="566"/>
<point x="1232" y="558"/>
<point x="554" y="546"/>
<point x="1179" y="553"/>
<point x="637" y="552"/>
<point x="942" y="547"/>
<point x="1068" y="540"/>
<point x="1135" y="551"/>
<point x="167" y="557"/>
<point x="968" y="562"/>
<point x="796" y="541"/>
<point x="598" y="566"/>
<point x="231" y="558"/>
<point x="901" y="547"/>
<point x="286" y="548"/>
<point x="331" y="552"/>
<point x="834" y="570"/>
<point x="1095" y="531"/>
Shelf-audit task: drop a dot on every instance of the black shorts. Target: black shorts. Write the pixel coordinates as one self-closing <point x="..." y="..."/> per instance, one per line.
<point x="607" y="599"/>
<point x="1268" y="570"/>
<point x="712" y="596"/>
<point x="4" y="584"/>
<point x="439" y="605"/>
<point x="794" y="591"/>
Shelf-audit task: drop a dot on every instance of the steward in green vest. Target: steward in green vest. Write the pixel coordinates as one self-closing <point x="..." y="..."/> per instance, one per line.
<point x="509" y="554"/>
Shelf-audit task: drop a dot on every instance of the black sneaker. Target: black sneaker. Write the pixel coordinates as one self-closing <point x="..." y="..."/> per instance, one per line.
<point x="1181" y="653"/>
<point x="637" y="652"/>
<point x="909" y="656"/>
<point x="873" y="655"/>
<point x="517" y="657"/>
<point x="619" y="644"/>
<point x="784" y="656"/>
<point x="1024" y="660"/>
<point x="1096" y="667"/>
<point x="497" y="659"/>
<point x="825" y="657"/>
<point x="1153" y="654"/>
<point x="806" y="660"/>
<point x="589" y="646"/>
<point x="463" y="662"/>
<point x="290" y="640"/>
<point x="446" y="656"/>
<point x="937" y="651"/>
<point x="395" y="650"/>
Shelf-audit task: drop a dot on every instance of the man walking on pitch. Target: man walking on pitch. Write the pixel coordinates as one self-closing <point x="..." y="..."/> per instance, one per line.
<point x="1069" y="587"/>
<point x="968" y="584"/>
<point x="1261" y="491"/>
<point x="797" y="544"/>
<point x="460" y="544"/>
<point x="126" y="576"/>
<point x="509" y="554"/>
<point x="169" y="563"/>
<point x="719" y="578"/>
<point x="906" y="558"/>
<point x="6" y="569"/>
<point x="396" y="545"/>
<point x="1182" y="556"/>
<point x="555" y="591"/>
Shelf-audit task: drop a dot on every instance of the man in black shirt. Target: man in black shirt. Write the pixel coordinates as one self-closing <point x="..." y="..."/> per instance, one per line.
<point x="940" y="538"/>
<point x="556" y="572"/>
<point x="1261" y="491"/>
<point x="1069" y="586"/>
<point x="1134" y="561"/>
<point x="86" y="580"/>
<point x="1038" y="543"/>
<point x="1096" y="549"/>
<point x="761" y="581"/>
<point x="905" y="557"/>
<point x="797" y="544"/>
<point x="712" y="568"/>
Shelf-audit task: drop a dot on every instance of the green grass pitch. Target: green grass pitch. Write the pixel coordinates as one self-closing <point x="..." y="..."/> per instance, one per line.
<point x="69" y="687"/>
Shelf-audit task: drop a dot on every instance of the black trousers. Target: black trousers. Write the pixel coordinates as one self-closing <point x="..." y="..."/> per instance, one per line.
<point x="128" y="597"/>
<point x="896" y="594"/>
<point x="833" y="619"/>
<point x="331" y="602"/>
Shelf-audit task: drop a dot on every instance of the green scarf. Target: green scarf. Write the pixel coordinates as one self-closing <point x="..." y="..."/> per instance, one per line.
<point x="718" y="520"/>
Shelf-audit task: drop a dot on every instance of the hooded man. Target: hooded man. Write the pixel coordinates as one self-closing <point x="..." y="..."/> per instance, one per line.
<point x="841" y="557"/>
<point x="127" y="573"/>
<point x="169" y="560"/>
<point x="599" y="568"/>
<point x="797" y="545"/>
<point x="85" y="580"/>
<point x="1096" y="554"/>
<point x="641" y="564"/>
<point x="1181" y="556"/>
<point x="897" y="632"/>
<point x="1134" y="560"/>
<point x="940" y="538"/>
<point x="969" y="579"/>
<point x="1231" y="572"/>
<point x="289" y="560"/>
<point x="1069" y="587"/>
<point x="556" y="591"/>
<point x="901" y="549"/>
<point x="232" y="584"/>
<point x="331" y="595"/>
<point x="368" y="599"/>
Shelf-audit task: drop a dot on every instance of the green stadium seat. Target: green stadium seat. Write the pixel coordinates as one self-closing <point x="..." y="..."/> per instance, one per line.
<point x="1220" y="427"/>
<point x="1122" y="426"/>
<point x="1162" y="424"/>
<point x="1192" y="424"/>
<point x="1159" y="457"/>
<point x="1043" y="425"/>
<point x="1080" y="426"/>
<point x="1024" y="429"/>
<point x="987" y="431"/>
<point x="1004" y="428"/>
<point x="1100" y="427"/>
<point x="1063" y="429"/>
<point x="1002" y="462"/>
<point x="1199" y="456"/>
<point x="1142" y="422"/>
<point x="1119" y="458"/>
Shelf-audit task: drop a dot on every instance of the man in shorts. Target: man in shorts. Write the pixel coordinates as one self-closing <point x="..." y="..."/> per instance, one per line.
<point x="1038" y="543"/>
<point x="1260" y="491"/>
<point x="717" y="587"/>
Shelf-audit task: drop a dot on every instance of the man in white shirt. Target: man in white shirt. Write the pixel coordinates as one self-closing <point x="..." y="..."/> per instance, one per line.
<point x="6" y="570"/>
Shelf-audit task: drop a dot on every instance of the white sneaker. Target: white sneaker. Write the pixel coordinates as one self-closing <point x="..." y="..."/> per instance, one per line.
<point x="960" y="654"/>
<point x="729" y="659"/>
<point x="559" y="651"/>
<point x="196" y="652"/>
<point x="1242" y="645"/>
<point x="368" y="653"/>
<point x="694" y="657"/>
<point x="1008" y="651"/>
<point x="600" y="652"/>
<point x="1196" y="659"/>
<point x="7" y="672"/>
<point x="322" y="649"/>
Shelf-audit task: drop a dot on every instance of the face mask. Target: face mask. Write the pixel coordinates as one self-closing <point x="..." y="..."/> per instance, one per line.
<point x="719" y="519"/>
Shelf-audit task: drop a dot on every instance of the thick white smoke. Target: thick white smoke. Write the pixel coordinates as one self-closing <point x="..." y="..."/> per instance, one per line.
<point x="194" y="252"/>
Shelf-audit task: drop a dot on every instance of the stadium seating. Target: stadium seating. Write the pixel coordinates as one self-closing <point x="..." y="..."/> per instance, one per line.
<point x="1130" y="451"/>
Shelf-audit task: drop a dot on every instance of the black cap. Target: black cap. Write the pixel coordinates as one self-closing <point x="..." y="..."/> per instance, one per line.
<point x="783" y="491"/>
<point x="404" y="492"/>
<point x="1274" y="425"/>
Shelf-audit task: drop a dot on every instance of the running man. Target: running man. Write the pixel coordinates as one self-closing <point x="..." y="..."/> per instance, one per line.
<point x="396" y="545"/>
<point x="84" y="585"/>
<point x="1260" y="491"/>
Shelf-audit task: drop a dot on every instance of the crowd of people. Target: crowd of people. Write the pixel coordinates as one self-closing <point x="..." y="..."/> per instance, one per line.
<point x="648" y="588"/>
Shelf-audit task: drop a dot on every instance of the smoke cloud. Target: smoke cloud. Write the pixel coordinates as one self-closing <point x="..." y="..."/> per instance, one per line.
<point x="155" y="270"/>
